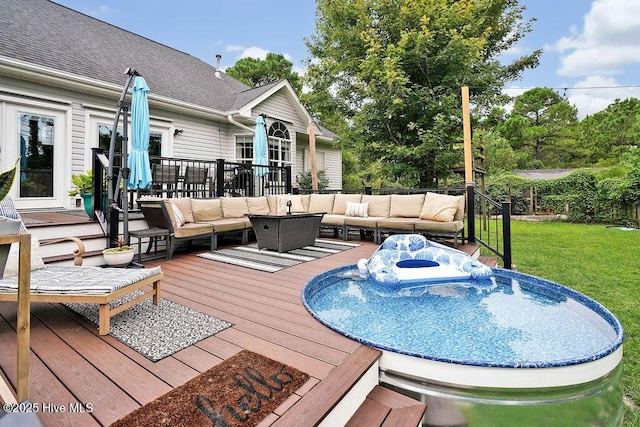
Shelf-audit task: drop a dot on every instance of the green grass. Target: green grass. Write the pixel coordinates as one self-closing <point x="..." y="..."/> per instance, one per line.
<point x="599" y="262"/>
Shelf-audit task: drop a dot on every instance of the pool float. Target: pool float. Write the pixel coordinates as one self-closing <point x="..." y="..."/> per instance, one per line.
<point x="411" y="258"/>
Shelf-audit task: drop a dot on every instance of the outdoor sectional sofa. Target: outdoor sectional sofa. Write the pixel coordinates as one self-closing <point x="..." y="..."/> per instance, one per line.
<point x="431" y="214"/>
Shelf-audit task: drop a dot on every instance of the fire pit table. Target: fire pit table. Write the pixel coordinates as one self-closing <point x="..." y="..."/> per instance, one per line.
<point x="283" y="233"/>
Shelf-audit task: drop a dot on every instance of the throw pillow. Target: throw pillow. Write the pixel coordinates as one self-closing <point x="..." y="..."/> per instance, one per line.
<point x="357" y="209"/>
<point x="439" y="207"/>
<point x="177" y="214"/>
<point x="11" y="268"/>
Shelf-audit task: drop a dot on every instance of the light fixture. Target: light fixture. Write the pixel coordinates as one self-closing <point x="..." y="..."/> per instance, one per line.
<point x="177" y="132"/>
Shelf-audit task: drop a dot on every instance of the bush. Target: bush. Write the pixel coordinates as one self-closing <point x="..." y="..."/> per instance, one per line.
<point x="304" y="180"/>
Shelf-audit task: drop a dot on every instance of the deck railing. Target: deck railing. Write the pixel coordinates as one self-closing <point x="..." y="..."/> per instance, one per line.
<point x="489" y="224"/>
<point x="488" y="221"/>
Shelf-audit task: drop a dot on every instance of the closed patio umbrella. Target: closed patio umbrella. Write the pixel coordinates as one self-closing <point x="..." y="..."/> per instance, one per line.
<point x="260" y="153"/>
<point x="138" y="162"/>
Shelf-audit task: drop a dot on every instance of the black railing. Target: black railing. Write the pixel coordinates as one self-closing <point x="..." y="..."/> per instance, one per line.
<point x="489" y="224"/>
<point x="175" y="177"/>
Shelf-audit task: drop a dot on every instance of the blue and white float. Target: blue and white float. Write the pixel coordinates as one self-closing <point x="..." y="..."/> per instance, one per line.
<point x="411" y="258"/>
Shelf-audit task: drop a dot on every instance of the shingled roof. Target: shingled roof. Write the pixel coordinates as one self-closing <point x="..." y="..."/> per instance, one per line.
<point x="50" y="35"/>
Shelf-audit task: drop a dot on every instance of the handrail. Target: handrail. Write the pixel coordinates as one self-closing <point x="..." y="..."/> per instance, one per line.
<point x="483" y="224"/>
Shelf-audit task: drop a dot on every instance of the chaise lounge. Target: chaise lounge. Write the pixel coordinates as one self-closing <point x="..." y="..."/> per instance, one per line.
<point x="77" y="283"/>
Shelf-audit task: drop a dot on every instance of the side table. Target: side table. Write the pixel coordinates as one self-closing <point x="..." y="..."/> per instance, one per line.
<point x="153" y="234"/>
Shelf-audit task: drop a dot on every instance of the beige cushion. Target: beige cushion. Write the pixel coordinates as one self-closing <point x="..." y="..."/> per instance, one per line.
<point x="169" y="206"/>
<point x="439" y="207"/>
<point x="378" y="205"/>
<point x="331" y="219"/>
<point x="357" y="209"/>
<point x="305" y="201"/>
<point x="397" y="223"/>
<point x="296" y="203"/>
<point x="177" y="215"/>
<point x="425" y="225"/>
<point x="11" y="268"/>
<point x="234" y="207"/>
<point x="184" y="204"/>
<point x="193" y="229"/>
<point x="340" y="202"/>
<point x="406" y="205"/>
<point x="321" y="203"/>
<point x="460" y="212"/>
<point x="206" y="210"/>
<point x="258" y="205"/>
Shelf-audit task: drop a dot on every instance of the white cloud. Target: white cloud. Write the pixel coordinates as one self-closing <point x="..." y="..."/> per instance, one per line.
<point x="608" y="41"/>
<point x="595" y="93"/>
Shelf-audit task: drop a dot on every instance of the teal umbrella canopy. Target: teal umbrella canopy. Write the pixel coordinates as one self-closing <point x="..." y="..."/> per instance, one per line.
<point x="138" y="162"/>
<point x="260" y="153"/>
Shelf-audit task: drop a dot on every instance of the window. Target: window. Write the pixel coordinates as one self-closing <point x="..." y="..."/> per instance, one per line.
<point x="104" y="140"/>
<point x="244" y="148"/>
<point x="279" y="150"/>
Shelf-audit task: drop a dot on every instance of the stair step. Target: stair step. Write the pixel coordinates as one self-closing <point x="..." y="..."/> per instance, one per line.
<point x="385" y="407"/>
<point x="318" y="402"/>
<point x="491" y="261"/>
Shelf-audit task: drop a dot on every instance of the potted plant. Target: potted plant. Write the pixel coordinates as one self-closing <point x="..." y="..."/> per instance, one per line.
<point x="120" y="255"/>
<point x="83" y="183"/>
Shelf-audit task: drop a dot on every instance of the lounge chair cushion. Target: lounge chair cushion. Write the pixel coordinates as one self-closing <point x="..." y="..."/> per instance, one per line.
<point x="439" y="207"/>
<point x="11" y="268"/>
<point x="74" y="280"/>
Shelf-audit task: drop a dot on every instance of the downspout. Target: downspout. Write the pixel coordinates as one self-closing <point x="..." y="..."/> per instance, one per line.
<point x="238" y="124"/>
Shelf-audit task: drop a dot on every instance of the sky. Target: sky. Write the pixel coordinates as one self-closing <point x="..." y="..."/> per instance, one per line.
<point x="591" y="48"/>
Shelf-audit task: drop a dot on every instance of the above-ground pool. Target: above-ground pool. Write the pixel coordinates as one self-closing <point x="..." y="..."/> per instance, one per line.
<point x="510" y="349"/>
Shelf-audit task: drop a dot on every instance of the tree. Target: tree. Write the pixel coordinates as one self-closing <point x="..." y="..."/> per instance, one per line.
<point x="607" y="134"/>
<point x="541" y="124"/>
<point x="393" y="70"/>
<point x="258" y="72"/>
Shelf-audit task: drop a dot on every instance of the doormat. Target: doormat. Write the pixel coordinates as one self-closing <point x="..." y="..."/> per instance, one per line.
<point x="155" y="331"/>
<point x="271" y="261"/>
<point x="241" y="391"/>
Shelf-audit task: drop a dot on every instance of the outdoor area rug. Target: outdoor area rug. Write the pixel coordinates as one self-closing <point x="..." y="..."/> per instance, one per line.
<point x="271" y="261"/>
<point x="241" y="391"/>
<point x="155" y="331"/>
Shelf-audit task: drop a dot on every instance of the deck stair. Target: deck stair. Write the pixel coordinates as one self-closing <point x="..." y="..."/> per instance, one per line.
<point x="350" y="395"/>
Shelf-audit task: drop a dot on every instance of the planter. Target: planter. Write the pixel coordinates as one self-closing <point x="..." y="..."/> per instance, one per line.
<point x="115" y="257"/>
<point x="87" y="201"/>
<point x="7" y="226"/>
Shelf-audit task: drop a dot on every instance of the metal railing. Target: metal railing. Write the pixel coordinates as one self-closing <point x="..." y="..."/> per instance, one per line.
<point x="489" y="224"/>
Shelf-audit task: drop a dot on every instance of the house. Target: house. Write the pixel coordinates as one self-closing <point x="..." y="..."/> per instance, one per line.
<point x="63" y="72"/>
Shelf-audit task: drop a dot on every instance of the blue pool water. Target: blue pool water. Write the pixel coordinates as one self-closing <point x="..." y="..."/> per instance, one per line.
<point x="513" y="320"/>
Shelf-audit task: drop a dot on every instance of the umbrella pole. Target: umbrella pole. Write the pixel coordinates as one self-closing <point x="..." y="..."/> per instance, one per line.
<point x="113" y="189"/>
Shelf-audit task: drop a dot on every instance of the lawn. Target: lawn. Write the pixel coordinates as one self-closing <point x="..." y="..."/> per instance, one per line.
<point x="600" y="262"/>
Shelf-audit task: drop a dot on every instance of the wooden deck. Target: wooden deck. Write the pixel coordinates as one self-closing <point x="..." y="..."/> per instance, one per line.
<point x="70" y="363"/>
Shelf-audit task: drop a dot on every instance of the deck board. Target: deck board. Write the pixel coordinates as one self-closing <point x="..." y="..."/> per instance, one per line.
<point x="72" y="363"/>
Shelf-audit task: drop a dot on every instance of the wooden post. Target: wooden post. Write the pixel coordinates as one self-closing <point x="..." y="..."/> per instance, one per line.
<point x="466" y="127"/>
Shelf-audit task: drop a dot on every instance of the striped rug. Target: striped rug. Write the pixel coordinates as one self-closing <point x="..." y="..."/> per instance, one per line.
<point x="271" y="261"/>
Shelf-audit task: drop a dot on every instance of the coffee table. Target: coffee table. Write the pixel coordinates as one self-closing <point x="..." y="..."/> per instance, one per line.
<point x="283" y="233"/>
